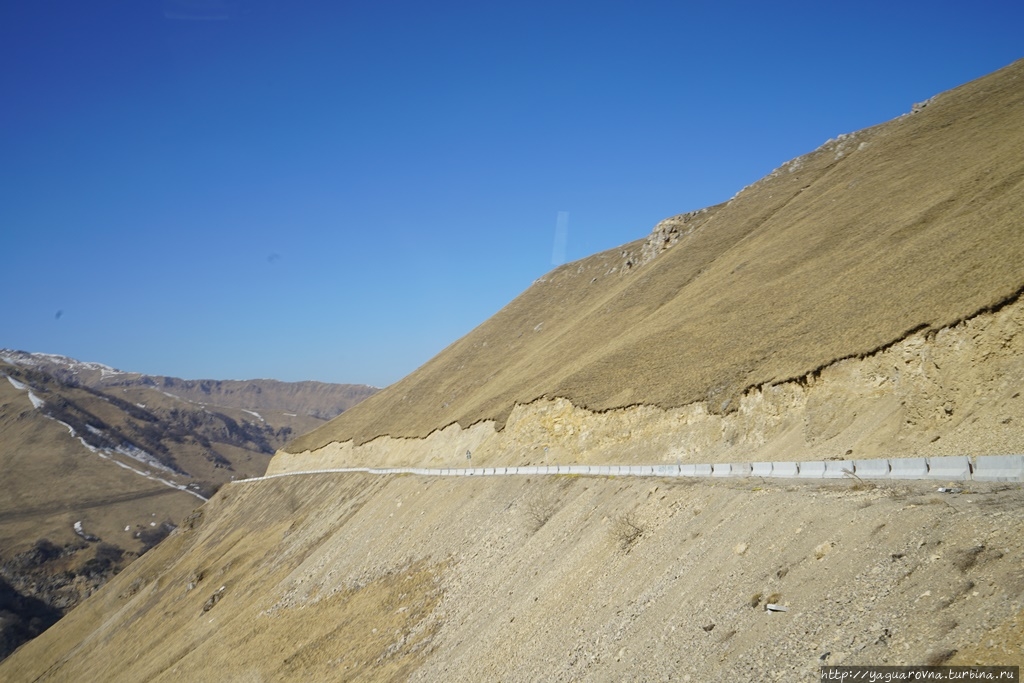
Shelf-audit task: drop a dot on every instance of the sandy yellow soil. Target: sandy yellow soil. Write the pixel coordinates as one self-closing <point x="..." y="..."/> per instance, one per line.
<point x="356" y="577"/>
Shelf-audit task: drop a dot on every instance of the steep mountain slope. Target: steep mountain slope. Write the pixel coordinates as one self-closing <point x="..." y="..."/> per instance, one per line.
<point x="98" y="464"/>
<point x="357" y="577"/>
<point x="864" y="299"/>
<point x="111" y="453"/>
<point x="914" y="224"/>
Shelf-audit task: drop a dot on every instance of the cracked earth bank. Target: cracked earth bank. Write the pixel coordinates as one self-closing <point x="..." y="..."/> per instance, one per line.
<point x="953" y="391"/>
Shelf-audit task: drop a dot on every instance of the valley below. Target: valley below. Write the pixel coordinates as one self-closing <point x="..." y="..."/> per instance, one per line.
<point x="99" y="465"/>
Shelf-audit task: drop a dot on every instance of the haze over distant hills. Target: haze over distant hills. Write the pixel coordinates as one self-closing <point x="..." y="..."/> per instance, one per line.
<point x="861" y="301"/>
<point x="98" y="464"/>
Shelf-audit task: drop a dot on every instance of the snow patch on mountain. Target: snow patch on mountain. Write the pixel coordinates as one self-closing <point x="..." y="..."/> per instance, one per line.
<point x="20" y="386"/>
<point x="132" y="452"/>
<point x="33" y="359"/>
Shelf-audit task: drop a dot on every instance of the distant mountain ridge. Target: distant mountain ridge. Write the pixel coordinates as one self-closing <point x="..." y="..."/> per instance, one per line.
<point x="188" y="434"/>
<point x="321" y="400"/>
<point x="98" y="464"/>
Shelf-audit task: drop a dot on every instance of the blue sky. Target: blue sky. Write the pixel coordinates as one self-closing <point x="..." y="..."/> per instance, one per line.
<point x="338" y="190"/>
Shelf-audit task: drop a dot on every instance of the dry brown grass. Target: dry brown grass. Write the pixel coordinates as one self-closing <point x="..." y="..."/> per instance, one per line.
<point x="914" y="223"/>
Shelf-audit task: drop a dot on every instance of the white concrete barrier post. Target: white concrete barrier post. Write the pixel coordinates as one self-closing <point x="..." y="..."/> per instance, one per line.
<point x="950" y="468"/>
<point x="785" y="469"/>
<point x="741" y="469"/>
<point x="811" y="469"/>
<point x="908" y="468"/>
<point x="999" y="468"/>
<point x="837" y="469"/>
<point x="877" y="468"/>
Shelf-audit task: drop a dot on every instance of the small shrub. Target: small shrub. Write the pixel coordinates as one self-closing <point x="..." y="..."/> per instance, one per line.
<point x="965" y="559"/>
<point x="109" y="554"/>
<point x="150" y="537"/>
<point x="858" y="483"/>
<point x="107" y="559"/>
<point x="628" y="530"/>
<point x="43" y="551"/>
<point x="539" y="512"/>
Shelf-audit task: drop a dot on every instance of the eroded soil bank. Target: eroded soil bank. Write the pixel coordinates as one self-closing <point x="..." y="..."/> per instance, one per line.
<point x="956" y="391"/>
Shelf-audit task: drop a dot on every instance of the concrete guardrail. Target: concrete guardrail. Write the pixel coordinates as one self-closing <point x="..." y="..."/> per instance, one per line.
<point x="994" y="468"/>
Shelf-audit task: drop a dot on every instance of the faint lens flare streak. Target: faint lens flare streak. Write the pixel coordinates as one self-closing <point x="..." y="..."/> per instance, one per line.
<point x="561" y="238"/>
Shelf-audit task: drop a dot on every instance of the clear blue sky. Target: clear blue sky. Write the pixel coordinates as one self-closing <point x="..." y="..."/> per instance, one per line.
<point x="338" y="190"/>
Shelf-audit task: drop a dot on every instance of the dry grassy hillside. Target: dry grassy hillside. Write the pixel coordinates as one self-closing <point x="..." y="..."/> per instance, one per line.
<point x="51" y="480"/>
<point x="916" y="223"/>
<point x="50" y="483"/>
<point x="953" y="391"/>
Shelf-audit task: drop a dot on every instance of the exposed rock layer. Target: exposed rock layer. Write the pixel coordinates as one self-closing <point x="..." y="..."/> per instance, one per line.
<point x="952" y="391"/>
